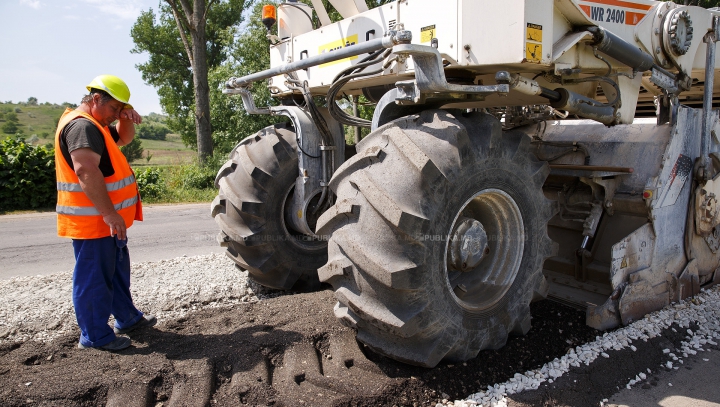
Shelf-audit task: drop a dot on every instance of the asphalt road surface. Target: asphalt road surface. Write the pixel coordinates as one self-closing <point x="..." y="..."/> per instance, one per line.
<point x="29" y="244"/>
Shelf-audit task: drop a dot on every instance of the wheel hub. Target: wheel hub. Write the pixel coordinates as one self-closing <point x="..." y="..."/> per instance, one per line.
<point x="468" y="244"/>
<point x="484" y="249"/>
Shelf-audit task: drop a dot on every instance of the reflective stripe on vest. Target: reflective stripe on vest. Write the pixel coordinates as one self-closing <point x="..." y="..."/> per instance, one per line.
<point x="113" y="186"/>
<point x="91" y="210"/>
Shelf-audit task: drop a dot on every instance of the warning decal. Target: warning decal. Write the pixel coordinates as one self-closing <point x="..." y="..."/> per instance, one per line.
<point x="427" y="33"/>
<point x="534" y="32"/>
<point x="533" y="52"/>
<point x="533" y="43"/>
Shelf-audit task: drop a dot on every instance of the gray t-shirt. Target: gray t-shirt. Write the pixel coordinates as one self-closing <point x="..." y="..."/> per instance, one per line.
<point x="82" y="133"/>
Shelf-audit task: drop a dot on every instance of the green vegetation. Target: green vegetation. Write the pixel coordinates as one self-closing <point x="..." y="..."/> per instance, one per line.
<point x="27" y="175"/>
<point x="133" y="151"/>
<point x="166" y="168"/>
<point x="184" y="45"/>
<point x="37" y="123"/>
<point x="152" y="131"/>
<point x="178" y="183"/>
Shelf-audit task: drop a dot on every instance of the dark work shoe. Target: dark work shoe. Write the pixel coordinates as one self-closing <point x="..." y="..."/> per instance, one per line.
<point x="120" y="343"/>
<point x="146" y="320"/>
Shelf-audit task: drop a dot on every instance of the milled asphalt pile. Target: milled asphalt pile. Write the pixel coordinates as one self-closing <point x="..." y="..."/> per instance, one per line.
<point x="40" y="308"/>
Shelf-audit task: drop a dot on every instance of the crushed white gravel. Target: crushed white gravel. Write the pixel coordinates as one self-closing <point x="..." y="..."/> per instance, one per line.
<point x="703" y="310"/>
<point x="40" y="307"/>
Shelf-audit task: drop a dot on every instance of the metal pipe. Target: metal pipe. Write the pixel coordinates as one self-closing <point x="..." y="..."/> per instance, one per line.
<point x="248" y="101"/>
<point x="710" y="39"/>
<point x="399" y="37"/>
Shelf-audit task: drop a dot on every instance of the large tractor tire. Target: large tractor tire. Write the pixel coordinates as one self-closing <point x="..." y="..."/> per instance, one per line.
<point x="438" y="237"/>
<point x="255" y="185"/>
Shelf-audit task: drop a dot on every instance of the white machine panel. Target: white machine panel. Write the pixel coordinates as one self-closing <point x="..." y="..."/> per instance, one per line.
<point x="418" y="17"/>
<point x="506" y="32"/>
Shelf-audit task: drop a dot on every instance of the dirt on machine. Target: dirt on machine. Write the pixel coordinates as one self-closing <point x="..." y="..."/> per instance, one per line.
<point x="518" y="150"/>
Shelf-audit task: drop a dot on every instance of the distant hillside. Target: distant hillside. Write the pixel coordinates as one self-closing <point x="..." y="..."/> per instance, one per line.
<point x="40" y="119"/>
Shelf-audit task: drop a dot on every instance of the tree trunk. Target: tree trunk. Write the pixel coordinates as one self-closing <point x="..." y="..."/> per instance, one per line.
<point x="200" y="83"/>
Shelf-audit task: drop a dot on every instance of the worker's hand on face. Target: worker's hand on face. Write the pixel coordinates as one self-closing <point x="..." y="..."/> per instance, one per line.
<point x="117" y="225"/>
<point x="130" y="114"/>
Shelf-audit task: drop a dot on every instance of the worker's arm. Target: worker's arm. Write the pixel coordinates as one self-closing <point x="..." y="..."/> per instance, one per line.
<point x="126" y="126"/>
<point x="86" y="163"/>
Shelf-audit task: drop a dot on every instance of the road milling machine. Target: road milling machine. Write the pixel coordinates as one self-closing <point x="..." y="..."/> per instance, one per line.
<point x="518" y="150"/>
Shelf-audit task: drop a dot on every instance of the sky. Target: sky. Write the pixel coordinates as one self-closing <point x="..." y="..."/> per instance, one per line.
<point x="51" y="49"/>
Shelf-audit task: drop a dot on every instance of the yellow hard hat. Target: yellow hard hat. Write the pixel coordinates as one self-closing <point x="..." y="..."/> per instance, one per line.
<point x="114" y="86"/>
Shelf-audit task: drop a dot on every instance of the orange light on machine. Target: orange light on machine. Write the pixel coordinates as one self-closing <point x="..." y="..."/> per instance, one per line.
<point x="268" y="16"/>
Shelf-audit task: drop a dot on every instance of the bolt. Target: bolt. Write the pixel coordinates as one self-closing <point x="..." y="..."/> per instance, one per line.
<point x="467" y="47"/>
<point x="657" y="50"/>
<point x="486" y="251"/>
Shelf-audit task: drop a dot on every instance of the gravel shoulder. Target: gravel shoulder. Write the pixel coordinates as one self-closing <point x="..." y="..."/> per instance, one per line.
<point x="225" y="342"/>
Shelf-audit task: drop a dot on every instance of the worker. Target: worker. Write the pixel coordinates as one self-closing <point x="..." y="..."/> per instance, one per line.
<point x="98" y="200"/>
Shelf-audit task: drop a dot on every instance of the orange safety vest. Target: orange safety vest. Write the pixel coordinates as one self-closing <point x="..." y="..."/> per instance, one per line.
<point x="77" y="217"/>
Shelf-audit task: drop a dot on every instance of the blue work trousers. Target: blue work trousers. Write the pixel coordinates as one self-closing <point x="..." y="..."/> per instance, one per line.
<point x="101" y="286"/>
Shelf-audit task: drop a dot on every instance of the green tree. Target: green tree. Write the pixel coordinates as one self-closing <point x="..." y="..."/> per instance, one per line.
<point x="10" y="127"/>
<point x="184" y="43"/>
<point x="152" y="131"/>
<point x="133" y="151"/>
<point x="32" y="101"/>
<point x="248" y="53"/>
<point x="11" y="117"/>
